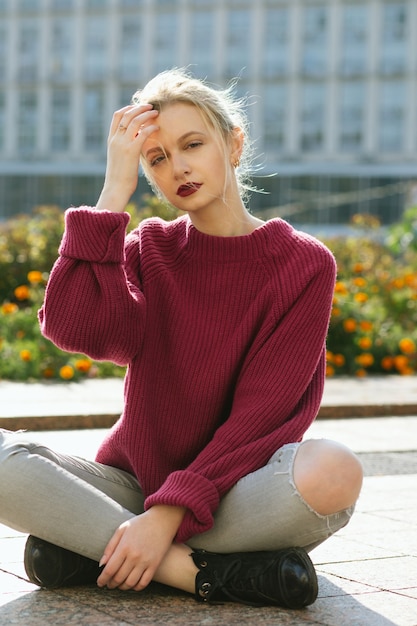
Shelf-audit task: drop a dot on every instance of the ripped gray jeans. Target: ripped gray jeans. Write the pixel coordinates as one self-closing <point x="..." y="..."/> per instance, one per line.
<point x="78" y="504"/>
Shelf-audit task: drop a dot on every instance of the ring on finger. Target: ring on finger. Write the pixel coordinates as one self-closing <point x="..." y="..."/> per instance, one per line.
<point x="122" y="127"/>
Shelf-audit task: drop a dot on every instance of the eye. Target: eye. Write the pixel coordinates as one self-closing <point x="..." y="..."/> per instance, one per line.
<point x="194" y="144"/>
<point x="157" y="160"/>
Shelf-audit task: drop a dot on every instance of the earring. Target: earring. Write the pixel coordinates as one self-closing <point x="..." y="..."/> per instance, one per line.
<point x="236" y="163"/>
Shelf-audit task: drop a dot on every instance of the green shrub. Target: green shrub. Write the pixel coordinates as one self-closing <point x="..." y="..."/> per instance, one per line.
<point x="28" y="248"/>
<point x="373" y="328"/>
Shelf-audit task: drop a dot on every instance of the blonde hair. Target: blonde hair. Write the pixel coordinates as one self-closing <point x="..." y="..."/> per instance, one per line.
<point x="219" y="108"/>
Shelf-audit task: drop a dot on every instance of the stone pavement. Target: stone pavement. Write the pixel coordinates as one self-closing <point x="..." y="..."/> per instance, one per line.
<point x="367" y="572"/>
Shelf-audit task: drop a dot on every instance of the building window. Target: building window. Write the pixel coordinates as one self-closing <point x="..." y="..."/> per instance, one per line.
<point x="313" y="105"/>
<point x="61" y="58"/>
<point x="3" y="51"/>
<point x="2" y="118"/>
<point x="238" y="41"/>
<point x="130" y="3"/>
<point x="275" y="42"/>
<point x="165" y="44"/>
<point x="275" y="117"/>
<point x="130" y="47"/>
<point x="394" y="38"/>
<point x="94" y="126"/>
<point x="29" y="5"/>
<point x="315" y="36"/>
<point x="202" y="43"/>
<point x="62" y="5"/>
<point x="96" y="4"/>
<point x="125" y="94"/>
<point x="96" y="47"/>
<point x="28" y="50"/>
<point x="354" y="50"/>
<point x="352" y="116"/>
<point x="60" y="120"/>
<point x="392" y="114"/>
<point x="27" y="122"/>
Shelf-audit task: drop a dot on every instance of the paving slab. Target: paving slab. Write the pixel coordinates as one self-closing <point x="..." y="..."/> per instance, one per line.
<point x="97" y="403"/>
<point x="367" y="572"/>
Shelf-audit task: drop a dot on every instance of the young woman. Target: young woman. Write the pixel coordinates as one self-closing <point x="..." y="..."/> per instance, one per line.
<point x="204" y="483"/>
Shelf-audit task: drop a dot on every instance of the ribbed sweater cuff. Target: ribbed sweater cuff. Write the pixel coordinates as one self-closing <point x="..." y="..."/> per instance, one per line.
<point x="94" y="236"/>
<point x="194" y="492"/>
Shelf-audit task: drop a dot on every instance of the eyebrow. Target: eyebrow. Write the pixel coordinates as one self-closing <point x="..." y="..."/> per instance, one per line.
<point x="158" y="149"/>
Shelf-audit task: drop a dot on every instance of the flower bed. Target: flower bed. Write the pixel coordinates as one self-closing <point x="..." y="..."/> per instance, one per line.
<point x="373" y="327"/>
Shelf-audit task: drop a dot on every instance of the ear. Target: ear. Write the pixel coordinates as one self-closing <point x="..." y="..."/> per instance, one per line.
<point x="236" y="145"/>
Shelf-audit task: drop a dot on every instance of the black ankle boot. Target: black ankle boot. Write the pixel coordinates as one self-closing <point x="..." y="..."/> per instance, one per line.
<point x="284" y="578"/>
<point x="50" y="566"/>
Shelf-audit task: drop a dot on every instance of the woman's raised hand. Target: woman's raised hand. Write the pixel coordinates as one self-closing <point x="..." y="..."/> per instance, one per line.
<point x="129" y="129"/>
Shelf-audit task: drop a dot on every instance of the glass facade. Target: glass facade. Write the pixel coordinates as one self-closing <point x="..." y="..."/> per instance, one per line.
<point x="392" y="113"/>
<point x="27" y="122"/>
<point x="131" y="44"/>
<point x="352" y="116"/>
<point x="355" y="40"/>
<point x="165" y="41"/>
<point x="394" y="38"/>
<point x="202" y="31"/>
<point x="61" y="120"/>
<point x="315" y="52"/>
<point x="331" y="84"/>
<point x="238" y="54"/>
<point x="61" y="57"/>
<point x="313" y="117"/>
<point x="276" y="42"/>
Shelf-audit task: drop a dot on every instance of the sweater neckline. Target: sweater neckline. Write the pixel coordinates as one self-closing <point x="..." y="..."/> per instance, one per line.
<point x="253" y="245"/>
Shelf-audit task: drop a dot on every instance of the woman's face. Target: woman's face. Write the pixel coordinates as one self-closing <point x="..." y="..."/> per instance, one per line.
<point x="188" y="161"/>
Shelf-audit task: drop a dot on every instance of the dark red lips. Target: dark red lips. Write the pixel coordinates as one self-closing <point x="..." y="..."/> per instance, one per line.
<point x="188" y="189"/>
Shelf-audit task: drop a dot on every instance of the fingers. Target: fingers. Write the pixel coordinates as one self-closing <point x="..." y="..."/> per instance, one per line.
<point x="121" y="573"/>
<point x="132" y="119"/>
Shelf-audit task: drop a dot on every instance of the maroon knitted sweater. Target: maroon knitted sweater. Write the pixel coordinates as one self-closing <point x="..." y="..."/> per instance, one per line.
<point x="224" y="338"/>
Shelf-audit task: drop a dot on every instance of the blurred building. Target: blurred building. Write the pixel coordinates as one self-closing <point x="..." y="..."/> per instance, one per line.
<point x="333" y="86"/>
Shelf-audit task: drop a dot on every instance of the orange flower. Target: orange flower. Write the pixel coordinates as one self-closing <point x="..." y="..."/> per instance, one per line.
<point x="366" y="359"/>
<point x="35" y="277"/>
<point x="339" y="360"/>
<point x="361" y="373"/>
<point x="358" y="268"/>
<point x="359" y="281"/>
<point x="83" y="365"/>
<point x="401" y="362"/>
<point x="387" y="363"/>
<point x="336" y="311"/>
<point x="25" y="355"/>
<point x="361" y="296"/>
<point x="20" y="334"/>
<point x="48" y="372"/>
<point x="365" y="343"/>
<point x="411" y="280"/>
<point x="349" y="325"/>
<point x="398" y="283"/>
<point x="9" y="307"/>
<point x="340" y="287"/>
<point x="365" y="325"/>
<point x="407" y="346"/>
<point x="329" y="356"/>
<point x="66" y="372"/>
<point x="329" y="370"/>
<point x="22" y="292"/>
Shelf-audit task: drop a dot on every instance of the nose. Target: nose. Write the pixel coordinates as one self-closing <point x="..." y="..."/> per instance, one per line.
<point x="180" y="166"/>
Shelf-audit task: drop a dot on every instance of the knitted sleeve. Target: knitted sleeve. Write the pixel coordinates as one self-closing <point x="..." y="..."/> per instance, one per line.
<point x="90" y="301"/>
<point x="276" y="398"/>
